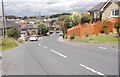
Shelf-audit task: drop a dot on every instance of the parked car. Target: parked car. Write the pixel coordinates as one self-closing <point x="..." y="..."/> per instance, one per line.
<point x="61" y="33"/>
<point x="33" y="38"/>
<point x="57" y="31"/>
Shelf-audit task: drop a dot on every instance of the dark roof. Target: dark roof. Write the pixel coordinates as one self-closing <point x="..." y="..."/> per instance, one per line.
<point x="98" y="7"/>
<point x="10" y="24"/>
<point x="28" y="26"/>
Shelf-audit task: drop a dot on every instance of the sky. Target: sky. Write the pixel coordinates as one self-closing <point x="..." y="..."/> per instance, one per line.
<point x="46" y="7"/>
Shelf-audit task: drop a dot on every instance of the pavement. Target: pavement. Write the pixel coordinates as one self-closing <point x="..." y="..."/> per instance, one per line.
<point x="54" y="56"/>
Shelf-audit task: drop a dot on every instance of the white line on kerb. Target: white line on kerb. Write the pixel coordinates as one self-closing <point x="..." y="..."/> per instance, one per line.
<point x="102" y="48"/>
<point x="58" y="53"/>
<point x="92" y="70"/>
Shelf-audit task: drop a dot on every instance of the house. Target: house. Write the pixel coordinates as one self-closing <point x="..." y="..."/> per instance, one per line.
<point x="31" y="28"/>
<point x="9" y="25"/>
<point x="105" y="10"/>
<point x="23" y="36"/>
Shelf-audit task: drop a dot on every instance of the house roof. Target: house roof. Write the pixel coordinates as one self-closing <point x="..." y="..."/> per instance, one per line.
<point x="29" y="26"/>
<point x="10" y="24"/>
<point x="100" y="6"/>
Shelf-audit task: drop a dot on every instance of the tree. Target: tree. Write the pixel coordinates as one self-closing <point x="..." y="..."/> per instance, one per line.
<point x="76" y="16"/>
<point x="52" y="21"/>
<point x="117" y="26"/>
<point x="14" y="32"/>
<point x="42" y="29"/>
<point x="25" y="17"/>
<point x="85" y="19"/>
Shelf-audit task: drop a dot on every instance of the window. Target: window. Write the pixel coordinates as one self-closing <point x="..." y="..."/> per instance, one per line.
<point x="115" y="12"/>
<point x="97" y="14"/>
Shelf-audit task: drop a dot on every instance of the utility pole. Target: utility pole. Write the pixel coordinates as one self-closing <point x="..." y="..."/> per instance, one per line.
<point x="3" y="16"/>
<point x="40" y="18"/>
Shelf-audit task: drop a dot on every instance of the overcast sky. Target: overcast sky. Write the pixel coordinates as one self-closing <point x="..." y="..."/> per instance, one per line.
<point x="46" y="7"/>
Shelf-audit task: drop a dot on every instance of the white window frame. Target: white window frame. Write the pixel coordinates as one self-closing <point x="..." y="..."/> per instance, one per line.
<point x="113" y="11"/>
<point x="97" y="14"/>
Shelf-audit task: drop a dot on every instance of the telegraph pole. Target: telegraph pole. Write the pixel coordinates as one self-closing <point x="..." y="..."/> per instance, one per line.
<point x="3" y="16"/>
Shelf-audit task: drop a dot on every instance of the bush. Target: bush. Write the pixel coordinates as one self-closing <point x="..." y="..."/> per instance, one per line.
<point x="86" y="34"/>
<point x="42" y="29"/>
<point x="85" y="20"/>
<point x="13" y="32"/>
<point x="8" y="43"/>
<point x="117" y="27"/>
<point x="106" y="31"/>
<point x="105" y="26"/>
<point x="72" y="36"/>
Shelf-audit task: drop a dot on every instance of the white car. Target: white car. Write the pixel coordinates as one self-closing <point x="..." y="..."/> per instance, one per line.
<point x="33" y="38"/>
<point x="61" y="34"/>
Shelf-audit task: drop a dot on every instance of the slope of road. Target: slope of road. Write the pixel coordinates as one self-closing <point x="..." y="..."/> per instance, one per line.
<point x="48" y="56"/>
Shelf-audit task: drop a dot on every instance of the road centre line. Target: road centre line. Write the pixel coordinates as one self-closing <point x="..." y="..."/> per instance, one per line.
<point x="92" y="70"/>
<point x="118" y="50"/>
<point x="59" y="53"/>
<point x="44" y="47"/>
<point x="102" y="48"/>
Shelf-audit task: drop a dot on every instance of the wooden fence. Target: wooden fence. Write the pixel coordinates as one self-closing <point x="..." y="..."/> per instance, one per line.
<point x="94" y="28"/>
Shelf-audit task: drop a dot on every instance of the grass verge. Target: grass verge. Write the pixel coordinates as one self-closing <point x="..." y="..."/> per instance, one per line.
<point x="8" y="43"/>
<point x="99" y="39"/>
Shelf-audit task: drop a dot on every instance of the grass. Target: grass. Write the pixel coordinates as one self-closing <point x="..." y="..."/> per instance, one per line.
<point x="99" y="39"/>
<point x="8" y="43"/>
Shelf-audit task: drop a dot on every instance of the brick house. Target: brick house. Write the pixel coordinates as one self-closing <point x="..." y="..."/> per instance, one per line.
<point x="105" y="10"/>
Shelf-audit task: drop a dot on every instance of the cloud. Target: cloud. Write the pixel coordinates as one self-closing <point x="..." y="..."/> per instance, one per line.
<point x="47" y="7"/>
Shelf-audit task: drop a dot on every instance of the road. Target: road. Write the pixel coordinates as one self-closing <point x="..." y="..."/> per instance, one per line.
<point x="49" y="56"/>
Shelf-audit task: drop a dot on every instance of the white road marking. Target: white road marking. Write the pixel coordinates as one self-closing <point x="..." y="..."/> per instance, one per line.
<point x="58" y="53"/>
<point x="118" y="50"/>
<point x="92" y="70"/>
<point x="102" y="48"/>
<point x="44" y="47"/>
<point x="39" y="44"/>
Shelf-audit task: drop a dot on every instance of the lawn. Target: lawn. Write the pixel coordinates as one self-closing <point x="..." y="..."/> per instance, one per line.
<point x="8" y="43"/>
<point x="99" y="39"/>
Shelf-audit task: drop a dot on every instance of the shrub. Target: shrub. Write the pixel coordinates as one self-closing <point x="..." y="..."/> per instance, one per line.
<point x="72" y="36"/>
<point x="105" y="27"/>
<point x="97" y="34"/>
<point x="8" y="43"/>
<point x="117" y="26"/>
<point x="86" y="34"/>
<point x="13" y="32"/>
<point x="85" y="19"/>
<point x="42" y="29"/>
<point x="106" y="31"/>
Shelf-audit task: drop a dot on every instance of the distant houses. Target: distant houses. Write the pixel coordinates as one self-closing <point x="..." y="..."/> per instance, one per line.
<point x="9" y="25"/>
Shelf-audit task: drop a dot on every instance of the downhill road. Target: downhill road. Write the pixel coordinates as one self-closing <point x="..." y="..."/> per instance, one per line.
<point x="48" y="56"/>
